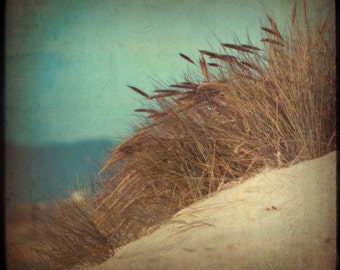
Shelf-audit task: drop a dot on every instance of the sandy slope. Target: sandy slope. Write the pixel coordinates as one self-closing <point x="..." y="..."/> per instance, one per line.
<point x="280" y="219"/>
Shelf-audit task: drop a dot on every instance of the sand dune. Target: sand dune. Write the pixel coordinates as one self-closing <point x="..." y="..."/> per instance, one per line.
<point x="279" y="219"/>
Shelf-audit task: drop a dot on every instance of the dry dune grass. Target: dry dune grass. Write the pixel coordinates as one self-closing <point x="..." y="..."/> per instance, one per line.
<point x="248" y="108"/>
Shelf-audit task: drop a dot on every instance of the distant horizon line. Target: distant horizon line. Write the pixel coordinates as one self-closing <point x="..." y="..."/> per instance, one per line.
<point x="9" y="141"/>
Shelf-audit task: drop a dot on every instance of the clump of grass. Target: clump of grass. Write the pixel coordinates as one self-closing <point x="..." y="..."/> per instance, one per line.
<point x="75" y="236"/>
<point x="248" y="108"/>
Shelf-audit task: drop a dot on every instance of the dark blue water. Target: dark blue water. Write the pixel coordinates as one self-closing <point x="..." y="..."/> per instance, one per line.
<point x="40" y="173"/>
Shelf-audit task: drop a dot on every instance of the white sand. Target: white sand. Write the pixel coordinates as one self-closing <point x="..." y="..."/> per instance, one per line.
<point x="240" y="229"/>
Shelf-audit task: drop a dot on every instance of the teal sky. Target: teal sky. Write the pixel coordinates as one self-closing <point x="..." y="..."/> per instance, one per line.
<point x="68" y="62"/>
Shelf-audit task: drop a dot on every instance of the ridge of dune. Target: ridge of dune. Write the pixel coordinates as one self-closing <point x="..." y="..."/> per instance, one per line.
<point x="279" y="219"/>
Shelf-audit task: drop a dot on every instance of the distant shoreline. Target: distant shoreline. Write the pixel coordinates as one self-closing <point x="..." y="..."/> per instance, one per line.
<point x="40" y="173"/>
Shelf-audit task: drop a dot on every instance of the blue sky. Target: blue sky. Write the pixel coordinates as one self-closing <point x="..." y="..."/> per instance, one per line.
<point x="68" y="62"/>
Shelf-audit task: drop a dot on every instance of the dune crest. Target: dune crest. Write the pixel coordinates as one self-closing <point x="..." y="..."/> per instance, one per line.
<point x="279" y="219"/>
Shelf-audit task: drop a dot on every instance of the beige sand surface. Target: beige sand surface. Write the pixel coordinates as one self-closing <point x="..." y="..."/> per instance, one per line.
<point x="280" y="219"/>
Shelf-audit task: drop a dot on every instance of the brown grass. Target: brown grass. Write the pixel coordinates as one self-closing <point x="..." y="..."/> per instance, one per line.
<point x="261" y="107"/>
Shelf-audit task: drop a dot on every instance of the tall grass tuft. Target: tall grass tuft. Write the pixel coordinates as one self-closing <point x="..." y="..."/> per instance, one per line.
<point x="248" y="108"/>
